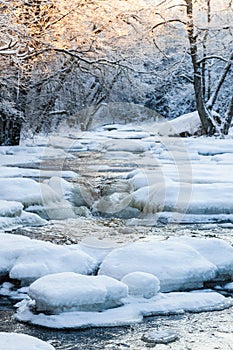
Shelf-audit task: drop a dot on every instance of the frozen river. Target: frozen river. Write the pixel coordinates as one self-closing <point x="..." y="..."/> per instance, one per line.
<point x="103" y="165"/>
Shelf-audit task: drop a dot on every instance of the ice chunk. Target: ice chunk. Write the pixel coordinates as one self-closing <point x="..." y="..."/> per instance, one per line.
<point x="142" y="284"/>
<point x="69" y="292"/>
<point x="178" y="266"/>
<point x="15" y="341"/>
<point x="185" y="198"/>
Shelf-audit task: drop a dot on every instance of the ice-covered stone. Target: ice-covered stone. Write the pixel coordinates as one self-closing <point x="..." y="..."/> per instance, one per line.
<point x="160" y="337"/>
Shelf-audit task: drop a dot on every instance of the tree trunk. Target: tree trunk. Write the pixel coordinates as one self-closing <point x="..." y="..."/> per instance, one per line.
<point x="203" y="112"/>
<point x="228" y="120"/>
<point x="9" y="131"/>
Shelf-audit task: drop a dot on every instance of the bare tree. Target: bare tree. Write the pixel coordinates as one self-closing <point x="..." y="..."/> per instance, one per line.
<point x="198" y="32"/>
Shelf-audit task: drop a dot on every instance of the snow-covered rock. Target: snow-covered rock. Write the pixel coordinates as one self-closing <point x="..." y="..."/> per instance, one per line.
<point x="133" y="310"/>
<point x="178" y="266"/>
<point x="126" y="145"/>
<point x="16" y="341"/>
<point x="217" y="251"/>
<point x="36" y="197"/>
<point x="26" y="259"/>
<point x="25" y="219"/>
<point x="142" y="284"/>
<point x="82" y="293"/>
<point x="10" y="208"/>
<point x="189" y="198"/>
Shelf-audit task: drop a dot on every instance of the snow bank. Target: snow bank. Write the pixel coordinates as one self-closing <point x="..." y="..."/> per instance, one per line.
<point x="26" y="260"/>
<point x="82" y="293"/>
<point x="15" y="341"/>
<point x="186" y="125"/>
<point x="178" y="266"/>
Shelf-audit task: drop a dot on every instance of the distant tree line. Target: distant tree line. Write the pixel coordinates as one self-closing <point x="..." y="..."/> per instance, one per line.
<point x="61" y="59"/>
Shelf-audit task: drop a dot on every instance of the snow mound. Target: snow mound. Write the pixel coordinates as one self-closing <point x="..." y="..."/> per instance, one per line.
<point x="82" y="293"/>
<point x="26" y="260"/>
<point x="178" y="266"/>
<point x="141" y="284"/>
<point x="13" y="341"/>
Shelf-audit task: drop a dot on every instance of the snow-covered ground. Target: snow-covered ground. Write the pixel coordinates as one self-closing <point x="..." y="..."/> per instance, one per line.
<point x="143" y="176"/>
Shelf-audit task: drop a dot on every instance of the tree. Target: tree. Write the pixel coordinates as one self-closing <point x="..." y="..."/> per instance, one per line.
<point x="198" y="32"/>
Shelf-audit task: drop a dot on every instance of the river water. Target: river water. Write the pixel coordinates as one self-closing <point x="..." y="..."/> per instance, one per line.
<point x="205" y="331"/>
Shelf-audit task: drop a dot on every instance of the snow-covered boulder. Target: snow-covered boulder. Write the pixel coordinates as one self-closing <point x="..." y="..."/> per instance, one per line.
<point x="74" y="292"/>
<point x="15" y="341"/>
<point x="26" y="260"/>
<point x="142" y="284"/>
<point x="178" y="266"/>
<point x="217" y="251"/>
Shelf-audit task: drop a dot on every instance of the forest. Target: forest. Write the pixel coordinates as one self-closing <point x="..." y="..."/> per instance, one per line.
<point x="85" y="62"/>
